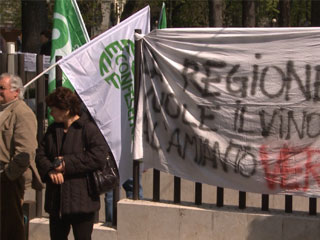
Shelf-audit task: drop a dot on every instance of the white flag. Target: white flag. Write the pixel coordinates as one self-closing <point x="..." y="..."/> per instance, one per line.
<point x="102" y="73"/>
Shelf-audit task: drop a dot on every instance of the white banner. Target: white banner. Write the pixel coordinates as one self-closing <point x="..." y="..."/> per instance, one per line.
<point x="102" y="73"/>
<point x="235" y="108"/>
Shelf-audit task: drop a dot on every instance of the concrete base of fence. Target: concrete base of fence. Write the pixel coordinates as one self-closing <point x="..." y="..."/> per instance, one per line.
<point x="146" y="220"/>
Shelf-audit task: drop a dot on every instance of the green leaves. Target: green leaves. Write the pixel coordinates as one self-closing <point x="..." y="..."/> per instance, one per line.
<point x="10" y="13"/>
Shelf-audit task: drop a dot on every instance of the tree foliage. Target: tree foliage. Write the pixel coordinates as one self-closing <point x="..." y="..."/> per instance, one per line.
<point x="190" y="13"/>
<point x="7" y="8"/>
<point x="300" y="13"/>
<point x="91" y="13"/>
<point x="266" y="12"/>
<point x="182" y="13"/>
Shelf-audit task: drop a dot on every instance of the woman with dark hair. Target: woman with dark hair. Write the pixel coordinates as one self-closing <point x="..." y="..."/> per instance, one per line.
<point x="72" y="147"/>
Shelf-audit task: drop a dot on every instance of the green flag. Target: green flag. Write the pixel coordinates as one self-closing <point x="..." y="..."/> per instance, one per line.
<point x="68" y="33"/>
<point x="163" y="17"/>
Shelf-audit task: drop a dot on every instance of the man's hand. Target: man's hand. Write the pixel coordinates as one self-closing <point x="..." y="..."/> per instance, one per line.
<point x="56" y="177"/>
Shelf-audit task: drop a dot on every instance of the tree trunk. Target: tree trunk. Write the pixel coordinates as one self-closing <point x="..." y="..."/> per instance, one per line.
<point x="129" y="7"/>
<point x="106" y="11"/>
<point x="308" y="14"/>
<point x="169" y="20"/>
<point x="284" y="17"/>
<point x="315" y="16"/>
<point x="34" y="19"/>
<point x="215" y="13"/>
<point x="248" y="13"/>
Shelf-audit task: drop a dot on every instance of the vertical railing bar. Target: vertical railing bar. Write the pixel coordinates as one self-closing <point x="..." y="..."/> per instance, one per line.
<point x="312" y="206"/>
<point x="40" y="104"/>
<point x="136" y="180"/>
<point x="156" y="185"/>
<point x="198" y="193"/>
<point x="58" y="73"/>
<point x="16" y="64"/>
<point x="177" y="190"/>
<point x="242" y="200"/>
<point x="220" y="196"/>
<point x="115" y="201"/>
<point x="3" y="63"/>
<point x="96" y="217"/>
<point x="265" y="202"/>
<point x="288" y="203"/>
<point x="21" y="71"/>
<point x="137" y="76"/>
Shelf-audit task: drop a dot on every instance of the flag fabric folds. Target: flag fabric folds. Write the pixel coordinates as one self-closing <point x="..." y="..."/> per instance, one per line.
<point x="102" y="73"/>
<point x="69" y="33"/>
<point x="163" y="17"/>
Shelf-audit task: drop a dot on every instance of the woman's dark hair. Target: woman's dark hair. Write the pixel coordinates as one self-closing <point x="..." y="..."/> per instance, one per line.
<point x="64" y="99"/>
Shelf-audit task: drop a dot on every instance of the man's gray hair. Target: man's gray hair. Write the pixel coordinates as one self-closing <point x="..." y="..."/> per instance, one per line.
<point x="16" y="83"/>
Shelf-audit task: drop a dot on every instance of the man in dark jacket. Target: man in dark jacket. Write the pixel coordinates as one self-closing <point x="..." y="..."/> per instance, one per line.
<point x="45" y="38"/>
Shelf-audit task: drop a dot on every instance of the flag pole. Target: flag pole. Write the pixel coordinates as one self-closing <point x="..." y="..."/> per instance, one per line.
<point x="137" y="76"/>
<point x="39" y="75"/>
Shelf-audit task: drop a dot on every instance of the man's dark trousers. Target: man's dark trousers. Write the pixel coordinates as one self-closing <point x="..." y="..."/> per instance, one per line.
<point x="12" y="225"/>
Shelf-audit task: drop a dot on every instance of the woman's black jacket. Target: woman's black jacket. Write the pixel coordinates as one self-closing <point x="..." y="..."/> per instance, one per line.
<point x="83" y="153"/>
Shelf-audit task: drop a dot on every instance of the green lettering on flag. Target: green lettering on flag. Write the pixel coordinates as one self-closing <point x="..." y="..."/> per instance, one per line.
<point x="163" y="17"/>
<point x="69" y="33"/>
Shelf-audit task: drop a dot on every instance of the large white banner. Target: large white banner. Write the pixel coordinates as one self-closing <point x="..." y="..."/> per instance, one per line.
<point x="102" y="73"/>
<point x="236" y="108"/>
